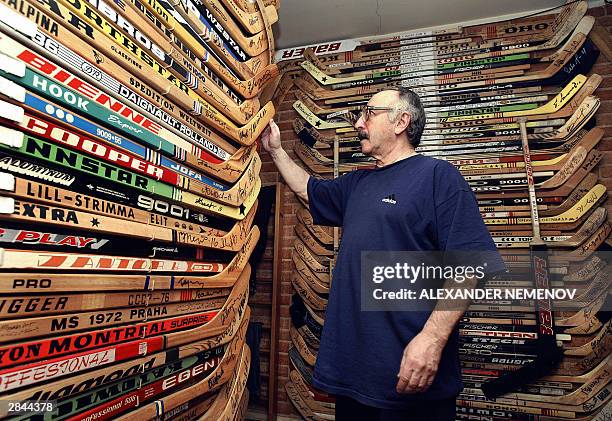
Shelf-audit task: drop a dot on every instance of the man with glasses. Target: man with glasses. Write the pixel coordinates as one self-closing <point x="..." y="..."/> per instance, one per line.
<point x="389" y="365"/>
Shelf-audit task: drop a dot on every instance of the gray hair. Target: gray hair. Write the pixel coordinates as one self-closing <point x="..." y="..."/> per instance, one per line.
<point x="409" y="102"/>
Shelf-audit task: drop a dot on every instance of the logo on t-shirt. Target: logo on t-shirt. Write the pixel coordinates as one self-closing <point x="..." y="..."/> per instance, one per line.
<point x="390" y="199"/>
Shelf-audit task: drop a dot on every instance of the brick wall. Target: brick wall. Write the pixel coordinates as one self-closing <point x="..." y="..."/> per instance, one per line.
<point x="284" y="118"/>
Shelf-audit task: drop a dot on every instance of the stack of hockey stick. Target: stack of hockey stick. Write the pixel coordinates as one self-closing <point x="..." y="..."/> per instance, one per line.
<point x="522" y="358"/>
<point x="313" y="259"/>
<point x="129" y="179"/>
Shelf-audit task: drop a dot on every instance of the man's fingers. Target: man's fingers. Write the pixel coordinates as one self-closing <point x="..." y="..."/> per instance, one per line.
<point x="402" y="384"/>
<point x="413" y="384"/>
<point x="399" y="387"/>
<point x="423" y="383"/>
<point x="408" y="380"/>
<point x="411" y="380"/>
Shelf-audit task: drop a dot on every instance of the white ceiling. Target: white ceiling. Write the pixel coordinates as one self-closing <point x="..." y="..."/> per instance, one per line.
<point x="304" y="22"/>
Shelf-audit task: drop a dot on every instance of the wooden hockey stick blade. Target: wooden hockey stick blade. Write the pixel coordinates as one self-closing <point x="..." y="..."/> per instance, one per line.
<point x="251" y="22"/>
<point x="308" y="295"/>
<point x="306" y="395"/>
<point x="318" y="230"/>
<point x="229" y="402"/>
<point x="301" y="406"/>
<point x="321" y="286"/>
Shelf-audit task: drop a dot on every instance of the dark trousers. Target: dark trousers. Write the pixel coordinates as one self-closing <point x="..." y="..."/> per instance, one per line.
<point x="348" y="409"/>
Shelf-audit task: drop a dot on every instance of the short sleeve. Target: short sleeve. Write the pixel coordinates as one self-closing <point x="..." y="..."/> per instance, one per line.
<point x="327" y="199"/>
<point x="460" y="227"/>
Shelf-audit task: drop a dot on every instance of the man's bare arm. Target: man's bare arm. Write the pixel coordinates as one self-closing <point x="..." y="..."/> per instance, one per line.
<point x="294" y="175"/>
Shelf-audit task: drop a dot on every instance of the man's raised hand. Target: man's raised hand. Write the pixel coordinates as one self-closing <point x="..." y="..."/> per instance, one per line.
<point x="270" y="138"/>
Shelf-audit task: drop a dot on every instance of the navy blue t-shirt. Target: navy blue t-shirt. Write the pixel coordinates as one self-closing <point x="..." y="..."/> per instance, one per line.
<point x="418" y="203"/>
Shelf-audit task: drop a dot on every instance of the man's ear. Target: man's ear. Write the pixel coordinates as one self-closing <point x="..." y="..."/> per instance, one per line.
<point x="402" y="122"/>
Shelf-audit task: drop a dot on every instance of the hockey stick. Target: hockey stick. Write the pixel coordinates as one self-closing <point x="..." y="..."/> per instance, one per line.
<point x="53" y="282"/>
<point x="585" y="185"/>
<point x="197" y="183"/>
<point x="464" y="53"/>
<point x="558" y="107"/>
<point x="126" y="390"/>
<point x="595" y="220"/>
<point x="303" y="312"/>
<point x="235" y="376"/>
<point x="50" y="152"/>
<point x="307" y="294"/>
<point x="22" y="259"/>
<point x="194" y="156"/>
<point x="323" y="409"/>
<point x="549" y="203"/>
<point x="45" y="325"/>
<point x="79" y="383"/>
<point x="213" y="14"/>
<point x="320" y="286"/>
<point x="230" y="170"/>
<point x="555" y="108"/>
<point x="585" y="314"/>
<point x="300" y="405"/>
<point x="57" y="216"/>
<point x="148" y="211"/>
<point x="233" y="396"/>
<point x="186" y="36"/>
<point x="131" y="19"/>
<point x="80" y="343"/>
<point x="250" y="7"/>
<point x="320" y="164"/>
<point x="580" y="117"/>
<point x="558" y="410"/>
<point x="109" y="22"/>
<point x="432" y="111"/>
<point x="196" y="163"/>
<point x="597" y="346"/>
<point x="177" y="120"/>
<point x="219" y="322"/>
<point x="244" y="135"/>
<point x="105" y="402"/>
<point x="536" y="28"/>
<point x="129" y="89"/>
<point x="243" y="66"/>
<point x="552" y="106"/>
<point x="31" y="81"/>
<point x="560" y="185"/>
<point x="21" y="306"/>
<point x="320" y="232"/>
<point x="302" y="347"/>
<point x="548" y="354"/>
<point x="251" y="22"/>
<point x="576" y="53"/>
<point x="318" y="265"/>
<point x="315" y="246"/>
<point x="299" y="320"/>
<point x="577" y="211"/>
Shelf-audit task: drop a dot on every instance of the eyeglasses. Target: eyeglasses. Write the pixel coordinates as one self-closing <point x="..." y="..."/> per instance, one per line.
<point x="367" y="111"/>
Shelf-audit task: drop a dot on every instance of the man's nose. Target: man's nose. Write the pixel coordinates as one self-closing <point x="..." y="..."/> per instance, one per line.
<point x="359" y="124"/>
